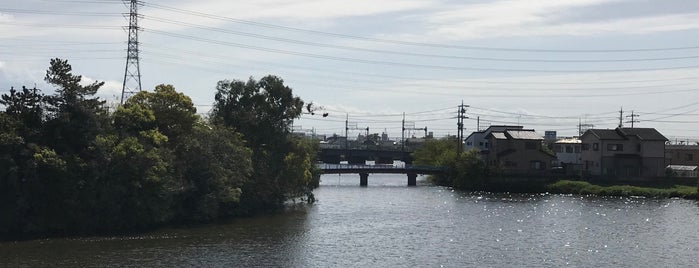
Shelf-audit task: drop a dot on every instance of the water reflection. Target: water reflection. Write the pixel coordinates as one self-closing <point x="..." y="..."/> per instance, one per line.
<point x="390" y="224"/>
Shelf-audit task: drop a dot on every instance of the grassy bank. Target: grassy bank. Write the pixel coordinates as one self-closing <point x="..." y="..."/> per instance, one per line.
<point x="586" y="188"/>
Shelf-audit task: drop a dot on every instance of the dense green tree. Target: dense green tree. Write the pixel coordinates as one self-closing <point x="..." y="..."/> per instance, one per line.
<point x="263" y="112"/>
<point x="174" y="112"/>
<point x="76" y="117"/>
<point x="215" y="164"/>
<point x="465" y="171"/>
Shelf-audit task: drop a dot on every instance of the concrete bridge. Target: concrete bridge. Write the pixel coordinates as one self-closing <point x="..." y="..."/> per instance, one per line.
<point x="365" y="170"/>
<point x="360" y="156"/>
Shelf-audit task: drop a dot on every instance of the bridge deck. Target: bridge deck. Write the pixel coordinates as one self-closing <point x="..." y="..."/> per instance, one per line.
<point x="385" y="169"/>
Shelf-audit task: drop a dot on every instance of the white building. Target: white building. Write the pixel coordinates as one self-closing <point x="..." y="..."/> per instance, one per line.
<point x="568" y="151"/>
<point x="478" y="141"/>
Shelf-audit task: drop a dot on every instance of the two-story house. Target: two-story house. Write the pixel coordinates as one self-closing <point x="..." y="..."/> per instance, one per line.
<point x="519" y="151"/>
<point x="477" y="140"/>
<point x="623" y="152"/>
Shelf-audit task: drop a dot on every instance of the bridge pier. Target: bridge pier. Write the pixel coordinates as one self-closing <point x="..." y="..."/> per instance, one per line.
<point x="412" y="179"/>
<point x="363" y="179"/>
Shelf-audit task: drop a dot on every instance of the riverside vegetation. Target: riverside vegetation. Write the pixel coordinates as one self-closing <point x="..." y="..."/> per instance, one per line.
<point x="70" y="166"/>
<point x="466" y="171"/>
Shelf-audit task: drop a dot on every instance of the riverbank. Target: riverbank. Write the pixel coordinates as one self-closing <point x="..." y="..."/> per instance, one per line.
<point x="587" y="188"/>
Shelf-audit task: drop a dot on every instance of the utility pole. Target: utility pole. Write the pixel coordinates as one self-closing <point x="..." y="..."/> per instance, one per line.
<point x="347" y="132"/>
<point x="621" y="117"/>
<point x="460" y="124"/>
<point x="633" y="118"/>
<point x="402" y="135"/>
<point x="132" y="74"/>
<point x="581" y="126"/>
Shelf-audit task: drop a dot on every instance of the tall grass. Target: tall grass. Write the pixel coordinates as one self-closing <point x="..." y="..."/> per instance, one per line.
<point x="586" y="188"/>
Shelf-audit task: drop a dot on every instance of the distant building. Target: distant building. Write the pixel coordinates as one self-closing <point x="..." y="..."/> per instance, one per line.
<point x="519" y="151"/>
<point x="687" y="155"/>
<point x="624" y="152"/>
<point x="477" y="140"/>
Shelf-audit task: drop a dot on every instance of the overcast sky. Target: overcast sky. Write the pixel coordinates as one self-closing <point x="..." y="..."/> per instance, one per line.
<point x="543" y="64"/>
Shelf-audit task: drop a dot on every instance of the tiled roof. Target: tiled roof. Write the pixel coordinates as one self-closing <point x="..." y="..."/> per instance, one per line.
<point x="498" y="135"/>
<point x="605" y="134"/>
<point x="524" y="135"/>
<point x="681" y="147"/>
<point x="649" y="134"/>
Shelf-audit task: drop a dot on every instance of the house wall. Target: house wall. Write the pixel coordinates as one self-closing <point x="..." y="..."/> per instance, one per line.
<point x="633" y="159"/>
<point x="519" y="158"/>
<point x="682" y="155"/>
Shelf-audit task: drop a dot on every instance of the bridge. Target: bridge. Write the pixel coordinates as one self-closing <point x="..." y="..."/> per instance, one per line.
<point x="360" y="156"/>
<point x="364" y="171"/>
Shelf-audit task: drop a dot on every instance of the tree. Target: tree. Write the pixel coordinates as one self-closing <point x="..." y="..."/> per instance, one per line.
<point x="76" y="117"/>
<point x="174" y="112"/>
<point x="263" y="112"/>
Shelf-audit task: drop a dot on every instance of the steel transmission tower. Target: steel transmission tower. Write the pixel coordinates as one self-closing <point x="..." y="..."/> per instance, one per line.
<point x="132" y="74"/>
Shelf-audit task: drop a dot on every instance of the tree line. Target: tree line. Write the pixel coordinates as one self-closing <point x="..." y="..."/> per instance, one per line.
<point x="69" y="165"/>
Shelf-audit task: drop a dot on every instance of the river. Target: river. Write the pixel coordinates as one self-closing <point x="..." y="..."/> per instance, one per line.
<point x="388" y="224"/>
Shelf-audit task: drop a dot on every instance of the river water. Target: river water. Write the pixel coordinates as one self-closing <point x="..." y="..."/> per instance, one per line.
<point x="388" y="224"/>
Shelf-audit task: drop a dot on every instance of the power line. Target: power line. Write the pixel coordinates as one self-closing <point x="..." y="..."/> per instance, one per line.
<point x="399" y="42"/>
<point x="450" y="57"/>
<point x="404" y="64"/>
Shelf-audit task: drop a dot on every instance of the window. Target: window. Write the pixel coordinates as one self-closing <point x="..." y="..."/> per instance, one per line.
<point x="559" y="148"/>
<point x="638" y="147"/>
<point x="569" y="148"/>
<point x="480" y="144"/>
<point x="585" y="146"/>
<point x="530" y="145"/>
<point x="486" y="144"/>
<point x="577" y="148"/>
<point x="615" y="147"/>
<point x="595" y="146"/>
<point x="689" y="157"/>
<point x="510" y="164"/>
<point x="537" y="165"/>
<point x="469" y="143"/>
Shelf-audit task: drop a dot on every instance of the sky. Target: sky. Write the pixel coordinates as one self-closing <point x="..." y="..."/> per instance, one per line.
<point x="542" y="64"/>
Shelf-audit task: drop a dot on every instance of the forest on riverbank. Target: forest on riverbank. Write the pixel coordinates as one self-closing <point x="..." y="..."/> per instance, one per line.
<point x="69" y="165"/>
<point x="467" y="171"/>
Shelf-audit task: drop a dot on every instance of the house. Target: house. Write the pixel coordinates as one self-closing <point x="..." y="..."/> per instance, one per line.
<point x="623" y="152"/>
<point x="477" y="140"/>
<point x="568" y="154"/>
<point x="519" y="151"/>
<point x="687" y="155"/>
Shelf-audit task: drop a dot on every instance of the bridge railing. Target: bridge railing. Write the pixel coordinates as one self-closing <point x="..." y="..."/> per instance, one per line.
<point x="325" y="166"/>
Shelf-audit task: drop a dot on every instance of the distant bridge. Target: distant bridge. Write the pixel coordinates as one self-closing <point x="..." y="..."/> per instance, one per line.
<point x="365" y="170"/>
<point x="360" y="156"/>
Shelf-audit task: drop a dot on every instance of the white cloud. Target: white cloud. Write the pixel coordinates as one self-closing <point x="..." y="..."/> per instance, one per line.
<point x="510" y="18"/>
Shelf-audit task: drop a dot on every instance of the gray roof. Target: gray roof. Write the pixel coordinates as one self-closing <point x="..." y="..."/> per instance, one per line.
<point x="524" y="135"/>
<point x="498" y="135"/>
<point x="605" y="134"/>
<point x="681" y="147"/>
<point x="680" y="167"/>
<point x="648" y="134"/>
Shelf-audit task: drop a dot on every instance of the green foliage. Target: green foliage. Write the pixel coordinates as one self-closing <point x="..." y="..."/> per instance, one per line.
<point x="215" y="164"/>
<point x="68" y="166"/>
<point x="174" y="112"/>
<point x="263" y="112"/>
<point x="466" y="171"/>
<point x="586" y="188"/>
